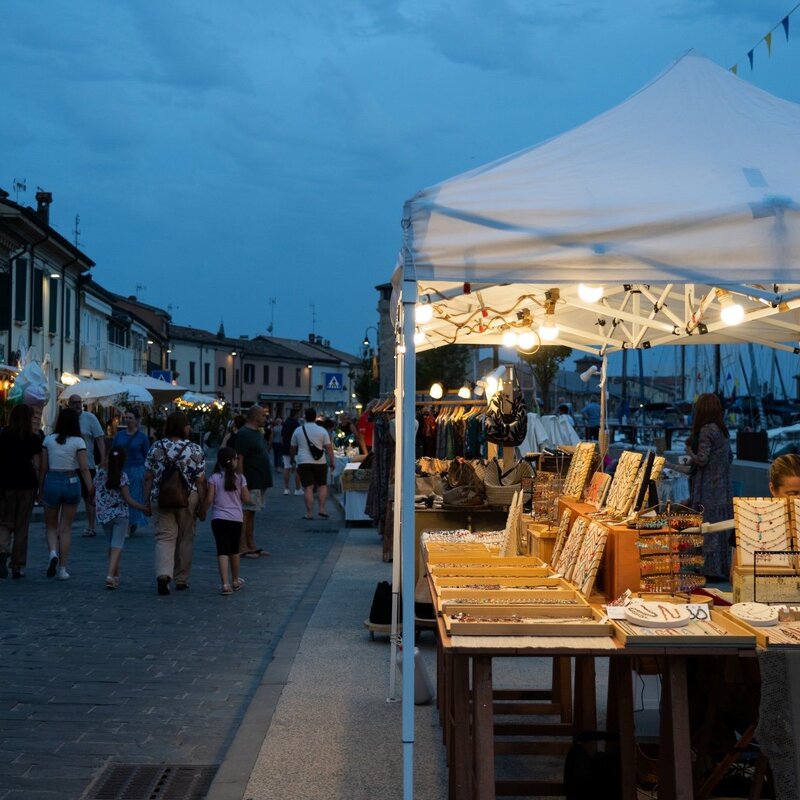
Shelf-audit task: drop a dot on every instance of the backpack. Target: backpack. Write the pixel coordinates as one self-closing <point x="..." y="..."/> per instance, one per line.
<point x="173" y="489"/>
<point x="380" y="612"/>
<point x="593" y="776"/>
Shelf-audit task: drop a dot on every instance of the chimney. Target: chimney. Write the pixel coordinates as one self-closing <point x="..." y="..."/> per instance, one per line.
<point x="43" y="200"/>
<point x="311" y="338"/>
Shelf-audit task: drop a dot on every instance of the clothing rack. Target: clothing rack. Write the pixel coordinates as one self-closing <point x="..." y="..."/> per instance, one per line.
<point x="451" y="403"/>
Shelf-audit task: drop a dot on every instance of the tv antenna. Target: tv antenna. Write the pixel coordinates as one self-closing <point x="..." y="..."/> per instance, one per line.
<point x="172" y="308"/>
<point x="76" y="231"/>
<point x="140" y="289"/>
<point x="271" y="325"/>
<point x="313" y="318"/>
<point x="19" y="186"/>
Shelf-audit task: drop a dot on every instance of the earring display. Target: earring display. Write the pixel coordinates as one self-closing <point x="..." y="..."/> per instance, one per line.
<point x="589" y="557"/>
<point x="566" y="561"/>
<point x="546" y="489"/>
<point x="762" y="524"/>
<point x="511" y="543"/>
<point x="579" y="467"/>
<point x="619" y="494"/>
<point x="598" y="489"/>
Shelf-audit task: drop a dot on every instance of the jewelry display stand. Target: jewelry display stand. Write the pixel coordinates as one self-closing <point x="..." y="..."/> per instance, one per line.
<point x="579" y="468"/>
<point x="775" y="586"/>
<point x="670" y="559"/>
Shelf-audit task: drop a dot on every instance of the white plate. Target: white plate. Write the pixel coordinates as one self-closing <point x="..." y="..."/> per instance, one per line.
<point x="650" y="614"/>
<point x="757" y="614"/>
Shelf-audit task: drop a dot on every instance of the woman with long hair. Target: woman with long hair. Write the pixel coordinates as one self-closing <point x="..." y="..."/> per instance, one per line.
<point x="174" y="527"/>
<point x="19" y="482"/>
<point x="710" y="484"/>
<point x="135" y="443"/>
<point x="63" y="460"/>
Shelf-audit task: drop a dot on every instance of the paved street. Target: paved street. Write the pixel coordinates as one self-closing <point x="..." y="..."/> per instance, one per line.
<point x="90" y="676"/>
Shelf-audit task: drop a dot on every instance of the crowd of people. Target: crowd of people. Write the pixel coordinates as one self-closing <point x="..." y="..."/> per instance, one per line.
<point x="130" y="480"/>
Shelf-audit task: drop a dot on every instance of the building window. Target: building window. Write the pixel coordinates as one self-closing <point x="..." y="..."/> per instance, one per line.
<point x="265" y="375"/>
<point x="249" y="373"/>
<point x="298" y="376"/>
<point x="206" y="374"/>
<point x="68" y="314"/>
<point x="280" y="376"/>
<point x="221" y="375"/>
<point x="20" y="288"/>
<point x="236" y="378"/>
<point x="38" y="299"/>
<point x="192" y="371"/>
<point x="52" y="318"/>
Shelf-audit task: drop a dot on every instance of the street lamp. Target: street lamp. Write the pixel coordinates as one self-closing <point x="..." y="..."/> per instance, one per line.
<point x="366" y="342"/>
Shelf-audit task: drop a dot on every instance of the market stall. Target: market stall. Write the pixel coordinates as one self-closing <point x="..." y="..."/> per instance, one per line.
<point x="679" y="211"/>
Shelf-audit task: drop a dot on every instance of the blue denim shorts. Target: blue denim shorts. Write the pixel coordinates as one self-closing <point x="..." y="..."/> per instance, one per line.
<point x="61" y="488"/>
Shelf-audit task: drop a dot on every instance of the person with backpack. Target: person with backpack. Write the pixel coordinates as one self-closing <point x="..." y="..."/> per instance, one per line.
<point x="112" y="497"/>
<point x="227" y="492"/>
<point x="175" y="482"/>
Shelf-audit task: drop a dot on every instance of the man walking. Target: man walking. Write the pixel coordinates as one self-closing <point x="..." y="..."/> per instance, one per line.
<point x="289" y="471"/>
<point x="591" y="419"/>
<point x="251" y="446"/>
<point x="92" y="433"/>
<point x="312" y="450"/>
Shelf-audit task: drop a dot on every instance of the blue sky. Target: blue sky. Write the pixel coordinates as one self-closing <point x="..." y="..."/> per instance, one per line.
<point x="222" y="154"/>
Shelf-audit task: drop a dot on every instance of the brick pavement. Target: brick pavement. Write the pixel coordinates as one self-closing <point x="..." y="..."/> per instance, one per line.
<point x="90" y="676"/>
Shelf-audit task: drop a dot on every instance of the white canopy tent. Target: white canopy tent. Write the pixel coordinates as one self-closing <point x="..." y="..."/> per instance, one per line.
<point x="680" y="201"/>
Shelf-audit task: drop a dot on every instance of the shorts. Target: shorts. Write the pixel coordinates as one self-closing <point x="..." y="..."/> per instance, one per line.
<point x="116" y="530"/>
<point x="226" y="534"/>
<point x="256" y="503"/>
<point x="84" y="487"/>
<point x="61" y="488"/>
<point x="313" y="474"/>
<point x="287" y="462"/>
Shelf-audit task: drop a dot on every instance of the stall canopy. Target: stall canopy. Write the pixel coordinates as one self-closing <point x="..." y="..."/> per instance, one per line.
<point x="688" y="188"/>
<point x="681" y="203"/>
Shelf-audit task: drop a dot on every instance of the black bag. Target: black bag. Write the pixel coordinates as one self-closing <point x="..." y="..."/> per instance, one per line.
<point x="316" y="452"/>
<point x="506" y="420"/>
<point x="173" y="489"/>
<point x="593" y="776"/>
<point x="381" y="611"/>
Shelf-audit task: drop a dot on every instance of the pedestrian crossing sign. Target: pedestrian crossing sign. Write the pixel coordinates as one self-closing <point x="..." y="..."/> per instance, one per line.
<point x="333" y="381"/>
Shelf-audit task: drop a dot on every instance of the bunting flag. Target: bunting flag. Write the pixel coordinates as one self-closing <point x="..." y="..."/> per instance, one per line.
<point x="767" y="39"/>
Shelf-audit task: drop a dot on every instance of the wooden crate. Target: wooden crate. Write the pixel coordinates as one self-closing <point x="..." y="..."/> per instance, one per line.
<point x="486" y="571"/>
<point x="573" y="621"/>
<point x="725" y="633"/>
<point x="541" y="539"/>
<point x="472" y="559"/>
<point x="780" y="586"/>
<point x="532" y="581"/>
<point x="448" y="588"/>
<point x="469" y="601"/>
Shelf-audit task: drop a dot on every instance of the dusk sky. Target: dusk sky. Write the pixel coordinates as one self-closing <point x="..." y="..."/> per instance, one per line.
<point x="222" y="154"/>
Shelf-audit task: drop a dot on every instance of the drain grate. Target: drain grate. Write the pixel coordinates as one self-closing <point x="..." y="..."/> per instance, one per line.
<point x="146" y="782"/>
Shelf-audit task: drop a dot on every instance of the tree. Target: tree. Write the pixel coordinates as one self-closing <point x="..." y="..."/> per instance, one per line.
<point x="447" y="364"/>
<point x="544" y="365"/>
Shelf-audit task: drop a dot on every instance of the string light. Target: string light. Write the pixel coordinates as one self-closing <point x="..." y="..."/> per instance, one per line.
<point x="548" y="330"/>
<point x="526" y="341"/>
<point x="509" y="338"/>
<point x="732" y="313"/>
<point x="590" y="293"/>
<point x="465" y="392"/>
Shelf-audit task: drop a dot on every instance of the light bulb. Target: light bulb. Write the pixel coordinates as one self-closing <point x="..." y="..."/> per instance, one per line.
<point x="732" y="313"/>
<point x="526" y="341"/>
<point x="491" y="387"/>
<point x="509" y="338"/>
<point x="465" y="392"/>
<point x="423" y="313"/>
<point x="590" y="293"/>
<point x="419" y="337"/>
<point x="436" y="391"/>
<point x="548" y="330"/>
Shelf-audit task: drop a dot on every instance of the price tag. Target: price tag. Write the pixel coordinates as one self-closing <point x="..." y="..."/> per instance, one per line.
<point x="699" y="611"/>
<point x="615" y="612"/>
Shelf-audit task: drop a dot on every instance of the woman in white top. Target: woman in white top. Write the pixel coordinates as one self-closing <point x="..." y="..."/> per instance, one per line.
<point x="63" y="459"/>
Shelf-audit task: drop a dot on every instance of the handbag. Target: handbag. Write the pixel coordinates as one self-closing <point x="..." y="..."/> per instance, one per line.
<point x="173" y="489"/>
<point x="316" y="452"/>
<point x="506" y="420"/>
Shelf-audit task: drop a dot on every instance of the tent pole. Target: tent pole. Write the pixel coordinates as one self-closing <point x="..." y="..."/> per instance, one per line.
<point x="406" y="480"/>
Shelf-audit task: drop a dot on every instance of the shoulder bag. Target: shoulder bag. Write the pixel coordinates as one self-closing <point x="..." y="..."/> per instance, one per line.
<point x="507" y="419"/>
<point x="316" y="452"/>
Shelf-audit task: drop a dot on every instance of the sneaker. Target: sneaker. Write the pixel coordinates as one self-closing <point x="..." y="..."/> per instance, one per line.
<point x="3" y="566"/>
<point x="286" y="491"/>
<point x="162" y="582"/>
<point x="62" y="574"/>
<point x="51" y="567"/>
<point x="299" y="492"/>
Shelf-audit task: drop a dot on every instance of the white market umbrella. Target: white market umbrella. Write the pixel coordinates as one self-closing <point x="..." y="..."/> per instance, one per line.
<point x="197" y="399"/>
<point x="137" y="394"/>
<point x="162" y="391"/>
<point x="104" y="391"/>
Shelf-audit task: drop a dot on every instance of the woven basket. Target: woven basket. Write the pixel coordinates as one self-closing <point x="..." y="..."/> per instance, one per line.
<point x="500" y="491"/>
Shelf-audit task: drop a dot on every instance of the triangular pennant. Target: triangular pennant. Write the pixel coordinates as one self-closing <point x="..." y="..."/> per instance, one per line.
<point x="785" y="23"/>
<point x="735" y="69"/>
<point x="750" y="57"/>
<point x="768" y="40"/>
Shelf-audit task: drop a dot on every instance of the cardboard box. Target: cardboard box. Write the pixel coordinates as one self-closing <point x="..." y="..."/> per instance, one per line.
<point x="356" y="480"/>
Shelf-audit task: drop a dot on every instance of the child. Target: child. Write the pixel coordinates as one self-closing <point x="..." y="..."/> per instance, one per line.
<point x="112" y="498"/>
<point x="227" y="490"/>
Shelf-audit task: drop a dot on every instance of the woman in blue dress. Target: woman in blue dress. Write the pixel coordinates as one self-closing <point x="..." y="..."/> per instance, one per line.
<point x="136" y="444"/>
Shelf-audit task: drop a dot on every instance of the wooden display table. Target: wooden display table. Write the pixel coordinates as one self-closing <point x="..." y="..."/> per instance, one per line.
<point x="620" y="567"/>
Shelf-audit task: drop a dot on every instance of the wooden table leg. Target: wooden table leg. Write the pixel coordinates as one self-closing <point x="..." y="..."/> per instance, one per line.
<point x="674" y="761"/>
<point x="620" y="719"/>
<point x="585" y="695"/>
<point x="459" y="734"/>
<point x="562" y="686"/>
<point x="483" y="727"/>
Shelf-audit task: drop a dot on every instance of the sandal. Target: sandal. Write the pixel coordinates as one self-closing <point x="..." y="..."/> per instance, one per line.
<point x="323" y="515"/>
<point x="250" y="554"/>
<point x="110" y="582"/>
<point x="238" y="584"/>
<point x="226" y="588"/>
<point x="88" y="532"/>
